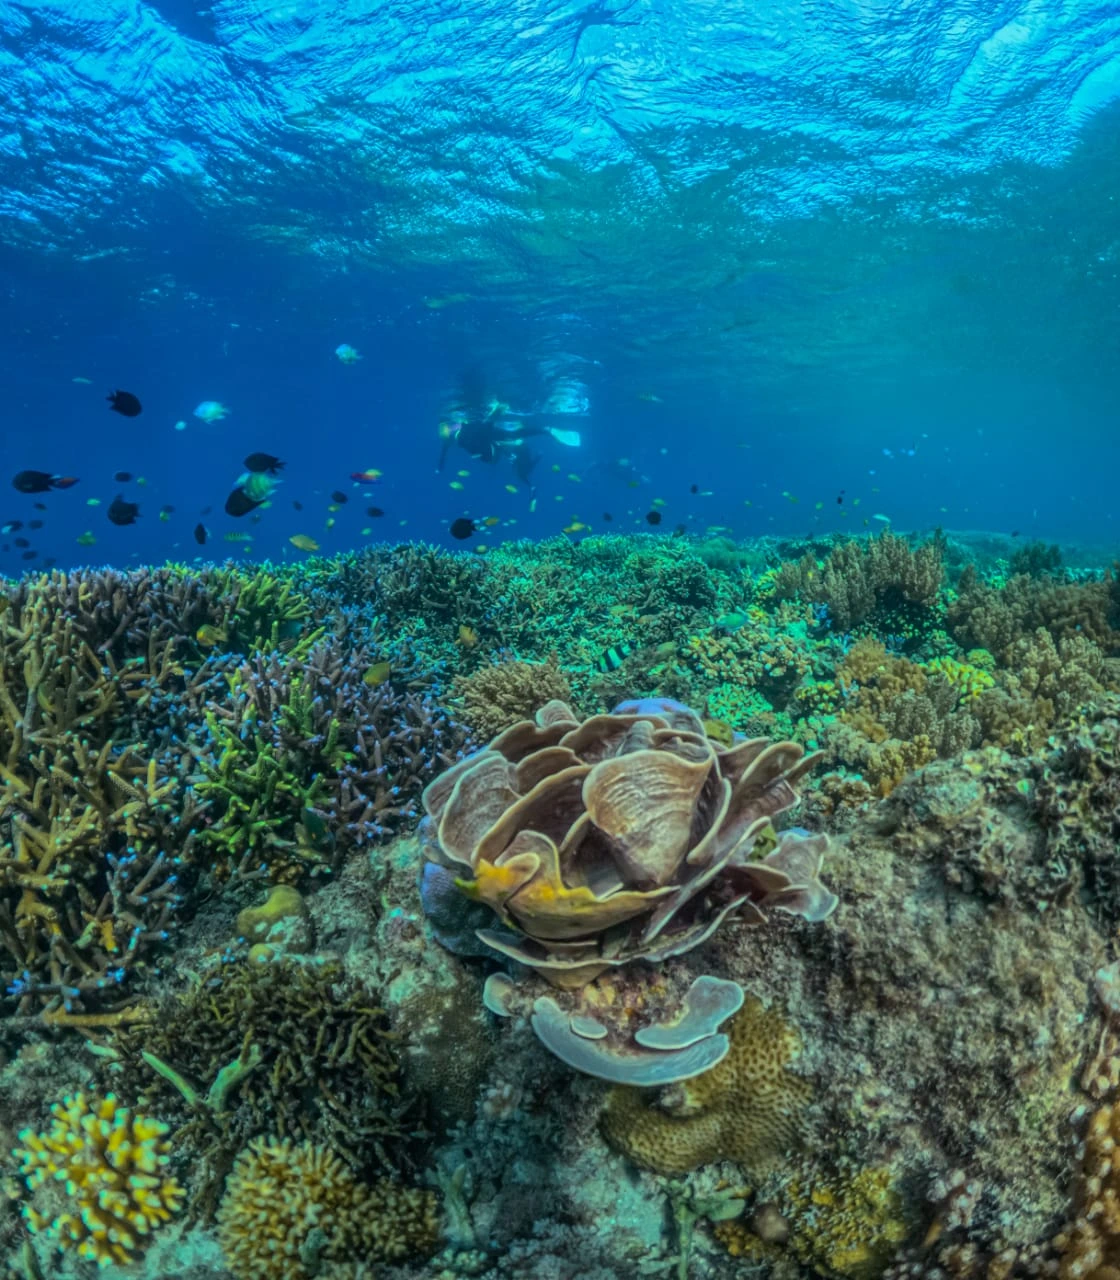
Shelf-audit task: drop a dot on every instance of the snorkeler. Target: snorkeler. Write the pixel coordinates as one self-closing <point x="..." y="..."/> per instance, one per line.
<point x="483" y="434"/>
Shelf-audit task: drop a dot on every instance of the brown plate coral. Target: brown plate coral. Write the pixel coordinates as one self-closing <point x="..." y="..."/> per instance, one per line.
<point x="621" y="837"/>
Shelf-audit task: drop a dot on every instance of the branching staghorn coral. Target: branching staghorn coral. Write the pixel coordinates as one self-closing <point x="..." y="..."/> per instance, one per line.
<point x="301" y="760"/>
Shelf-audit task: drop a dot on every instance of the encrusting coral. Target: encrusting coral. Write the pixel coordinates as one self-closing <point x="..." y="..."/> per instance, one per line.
<point x="295" y="1211"/>
<point x="112" y="1164"/>
<point x="747" y="1108"/>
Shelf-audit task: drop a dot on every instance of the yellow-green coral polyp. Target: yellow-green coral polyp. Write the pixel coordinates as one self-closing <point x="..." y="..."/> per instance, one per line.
<point x="113" y="1163"/>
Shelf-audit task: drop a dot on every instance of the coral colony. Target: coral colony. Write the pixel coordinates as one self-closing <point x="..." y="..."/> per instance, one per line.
<point x="608" y="908"/>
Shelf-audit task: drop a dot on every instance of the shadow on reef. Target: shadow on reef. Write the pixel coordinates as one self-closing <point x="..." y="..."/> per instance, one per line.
<point x="628" y="1021"/>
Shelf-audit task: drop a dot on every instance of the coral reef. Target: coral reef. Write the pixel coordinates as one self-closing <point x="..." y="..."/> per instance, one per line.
<point x="295" y="1211"/>
<point x="112" y="1165"/>
<point x="620" y="838"/>
<point x="314" y="1051"/>
<point x="747" y="1108"/>
<point x="498" y="695"/>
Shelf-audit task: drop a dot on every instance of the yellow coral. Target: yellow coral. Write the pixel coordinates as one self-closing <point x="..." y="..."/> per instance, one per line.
<point x="969" y="679"/>
<point x="112" y="1163"/>
<point x="288" y="1209"/>
<point x="746" y="1108"/>
<point x="849" y="1226"/>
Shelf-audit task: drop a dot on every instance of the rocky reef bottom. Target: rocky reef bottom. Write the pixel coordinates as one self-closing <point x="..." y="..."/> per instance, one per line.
<point x="244" y="1038"/>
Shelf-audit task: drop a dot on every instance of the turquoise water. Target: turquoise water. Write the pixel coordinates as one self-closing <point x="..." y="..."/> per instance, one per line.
<point x="753" y="249"/>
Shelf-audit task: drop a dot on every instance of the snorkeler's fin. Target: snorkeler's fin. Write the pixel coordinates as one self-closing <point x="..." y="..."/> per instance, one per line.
<point x="570" y="438"/>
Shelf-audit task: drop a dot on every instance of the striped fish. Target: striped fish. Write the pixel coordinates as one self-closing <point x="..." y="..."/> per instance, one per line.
<point x="611" y="659"/>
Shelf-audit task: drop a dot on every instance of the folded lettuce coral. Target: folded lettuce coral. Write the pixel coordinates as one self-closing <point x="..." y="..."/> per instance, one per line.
<point x="621" y="837"/>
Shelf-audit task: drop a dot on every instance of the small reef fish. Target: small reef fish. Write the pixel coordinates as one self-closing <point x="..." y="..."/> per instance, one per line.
<point x="339" y="497"/>
<point x="201" y="533"/>
<point x="40" y="481"/>
<point x="303" y="542"/>
<point x="264" y="463"/>
<point x="85" y="539"/>
<point x="653" y="517"/>
<point x="370" y="476"/>
<point x="208" y="635"/>
<point x="124" y="402"/>
<point x="732" y="621"/>
<point x="377" y="674"/>
<point x="611" y="659"/>
<point x="12" y="526"/>
<point x="650" y="397"/>
<point x="211" y="411"/>
<point x="237" y="537"/>
<point x="122" y="512"/>
<point x="468" y="636"/>
<point x="577" y="526"/>
<point x="882" y="519"/>
<point x="512" y="488"/>
<point x="448" y="299"/>
<point x="83" y="381"/>
<point x="491" y="521"/>
<point x="463" y="528"/>
<point x="374" y="513"/>
<point x="347" y="354"/>
<point x="122" y="477"/>
<point x="455" y="484"/>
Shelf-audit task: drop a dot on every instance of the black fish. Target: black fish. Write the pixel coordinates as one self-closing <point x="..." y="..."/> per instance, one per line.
<point x="49" y="561"/>
<point x="374" y="512"/>
<point x="39" y="506"/>
<point x="607" y="516"/>
<point x="339" y="496"/>
<point x="21" y="542"/>
<point x="200" y="534"/>
<point x="30" y="555"/>
<point x="463" y="527"/>
<point x="264" y="462"/>
<point x="122" y="512"/>
<point x="37" y="482"/>
<point x="653" y="517"/>
<point x="694" y="488"/>
<point x="1014" y="533"/>
<point x="12" y="526"/>
<point x="34" y="524"/>
<point x="124" y="402"/>
<point x="206" y="511"/>
<point x="122" y="477"/>
<point x="240" y="504"/>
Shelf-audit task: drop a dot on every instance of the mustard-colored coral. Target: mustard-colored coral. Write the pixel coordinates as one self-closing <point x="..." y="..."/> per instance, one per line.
<point x="112" y="1163"/>
<point x="849" y="1226"/>
<point x="1089" y="1248"/>
<point x="292" y="1211"/>
<point x="498" y="695"/>
<point x="969" y="680"/>
<point x="746" y="1108"/>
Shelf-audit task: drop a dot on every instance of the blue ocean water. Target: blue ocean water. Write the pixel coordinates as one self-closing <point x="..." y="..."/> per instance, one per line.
<point x="780" y="254"/>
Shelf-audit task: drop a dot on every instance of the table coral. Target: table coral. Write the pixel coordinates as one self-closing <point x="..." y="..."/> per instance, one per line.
<point x="113" y="1164"/>
<point x="746" y="1108"/>
<point x="293" y="1211"/>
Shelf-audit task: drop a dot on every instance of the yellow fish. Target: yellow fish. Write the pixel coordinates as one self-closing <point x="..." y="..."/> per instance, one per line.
<point x="532" y="507"/>
<point x="555" y="466"/>
<point x="377" y="674"/>
<point x="462" y="473"/>
<point x="491" y="521"/>
<point x="576" y="527"/>
<point x="85" y="539"/>
<point x="334" y="507"/>
<point x="329" y="522"/>
<point x="456" y="484"/>
<point x="303" y="542"/>
<point x="208" y="635"/>
<point x="511" y="488"/>
<point x="468" y="636"/>
<point x="659" y="502"/>
<point x="572" y="476"/>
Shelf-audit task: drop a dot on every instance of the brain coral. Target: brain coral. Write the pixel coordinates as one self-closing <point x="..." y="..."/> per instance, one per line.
<point x="291" y="1212"/>
<point x="623" y="837"/>
<point x="746" y="1108"/>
